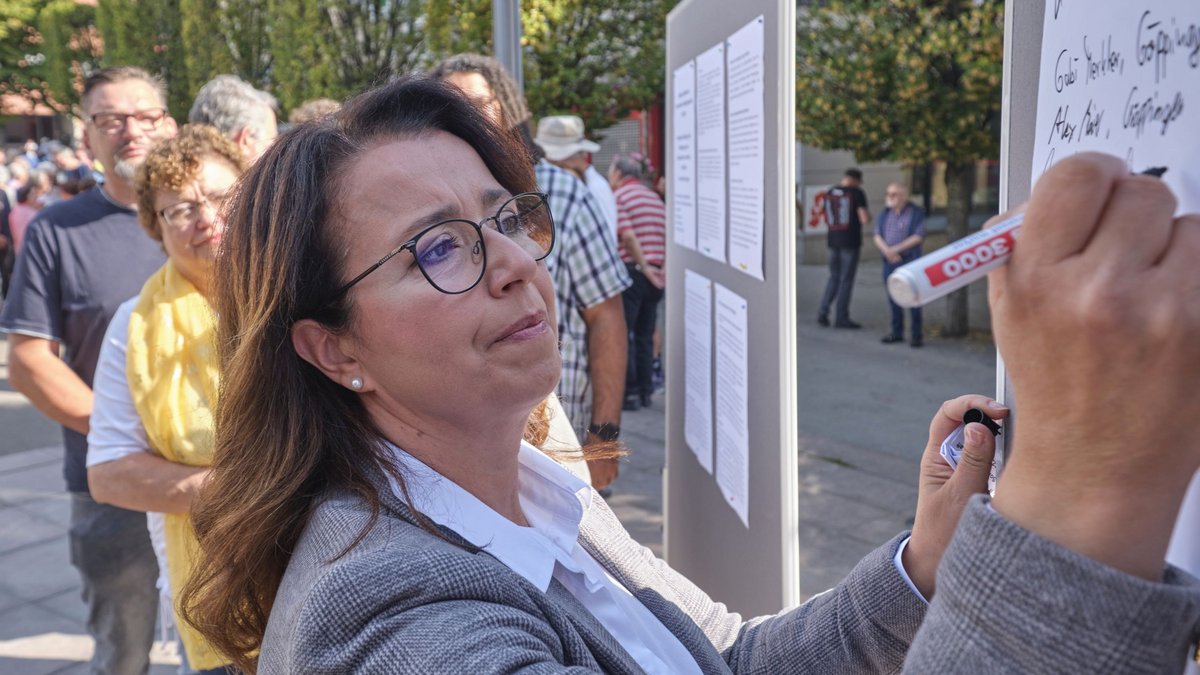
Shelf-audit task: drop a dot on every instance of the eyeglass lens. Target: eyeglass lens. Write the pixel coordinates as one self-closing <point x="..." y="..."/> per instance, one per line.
<point x="451" y="255"/>
<point x="185" y="214"/>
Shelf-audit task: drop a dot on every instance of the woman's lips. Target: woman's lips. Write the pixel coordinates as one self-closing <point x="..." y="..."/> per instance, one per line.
<point x="530" y="326"/>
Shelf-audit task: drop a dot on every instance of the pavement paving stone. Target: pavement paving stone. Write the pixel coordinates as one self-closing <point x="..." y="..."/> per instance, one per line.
<point x="40" y="667"/>
<point x="19" y="528"/>
<point x="852" y="518"/>
<point x="53" y="508"/>
<point x="31" y="483"/>
<point x="8" y="599"/>
<point x="30" y="458"/>
<point x="67" y="604"/>
<point x="821" y="475"/>
<point x="38" y="636"/>
<point x="827" y="557"/>
<point x="38" y="571"/>
<point x="29" y="620"/>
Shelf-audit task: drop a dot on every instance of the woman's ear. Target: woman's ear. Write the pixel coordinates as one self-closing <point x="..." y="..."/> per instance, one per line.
<point x="327" y="352"/>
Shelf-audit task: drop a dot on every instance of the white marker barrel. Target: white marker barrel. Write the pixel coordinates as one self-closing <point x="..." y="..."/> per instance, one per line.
<point x="953" y="266"/>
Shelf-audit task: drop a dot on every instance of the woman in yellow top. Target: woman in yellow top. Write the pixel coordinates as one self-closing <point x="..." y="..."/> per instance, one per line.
<point x="151" y="437"/>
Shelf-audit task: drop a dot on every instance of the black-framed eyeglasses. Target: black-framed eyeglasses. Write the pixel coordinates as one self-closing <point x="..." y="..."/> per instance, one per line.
<point x="452" y="255"/>
<point x="113" y="122"/>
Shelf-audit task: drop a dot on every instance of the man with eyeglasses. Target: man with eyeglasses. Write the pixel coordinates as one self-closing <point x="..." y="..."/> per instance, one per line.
<point x="81" y="259"/>
<point x="899" y="231"/>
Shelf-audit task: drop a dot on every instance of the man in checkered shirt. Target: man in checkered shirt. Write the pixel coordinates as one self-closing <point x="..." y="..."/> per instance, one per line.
<point x="588" y="275"/>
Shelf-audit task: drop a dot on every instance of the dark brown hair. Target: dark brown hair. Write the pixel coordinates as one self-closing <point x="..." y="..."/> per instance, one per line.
<point x="285" y="433"/>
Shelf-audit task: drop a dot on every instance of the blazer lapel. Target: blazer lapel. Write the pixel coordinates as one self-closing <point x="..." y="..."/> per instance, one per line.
<point x="604" y="648"/>
<point x="604" y="537"/>
<point x="609" y="653"/>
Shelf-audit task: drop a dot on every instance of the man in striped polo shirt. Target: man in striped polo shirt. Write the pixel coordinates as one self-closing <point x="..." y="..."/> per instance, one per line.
<point x="642" y="232"/>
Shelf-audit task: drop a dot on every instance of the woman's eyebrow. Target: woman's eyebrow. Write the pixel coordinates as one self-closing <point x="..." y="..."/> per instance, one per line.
<point x="492" y="195"/>
<point x="487" y="198"/>
<point x="446" y="212"/>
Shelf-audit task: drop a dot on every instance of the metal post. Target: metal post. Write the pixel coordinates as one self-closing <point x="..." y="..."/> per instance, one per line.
<point x="506" y="37"/>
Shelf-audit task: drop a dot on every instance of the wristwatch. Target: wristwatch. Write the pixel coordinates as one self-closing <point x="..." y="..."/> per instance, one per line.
<point x="606" y="432"/>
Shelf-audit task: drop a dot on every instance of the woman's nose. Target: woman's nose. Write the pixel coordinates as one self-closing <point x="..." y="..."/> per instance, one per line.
<point x="210" y="213"/>
<point x="507" y="262"/>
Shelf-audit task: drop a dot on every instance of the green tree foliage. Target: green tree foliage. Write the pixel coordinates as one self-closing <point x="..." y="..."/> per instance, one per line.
<point x="598" y="60"/>
<point x="333" y="49"/>
<point x="149" y="34"/>
<point x="20" y="40"/>
<point x="595" y="59"/>
<point x="71" y="45"/>
<point x="905" y="80"/>
<point x="46" y="47"/>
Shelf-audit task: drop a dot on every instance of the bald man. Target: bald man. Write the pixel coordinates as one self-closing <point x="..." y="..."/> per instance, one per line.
<point x="899" y="231"/>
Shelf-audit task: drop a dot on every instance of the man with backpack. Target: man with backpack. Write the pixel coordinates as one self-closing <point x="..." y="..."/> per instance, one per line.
<point x="845" y="213"/>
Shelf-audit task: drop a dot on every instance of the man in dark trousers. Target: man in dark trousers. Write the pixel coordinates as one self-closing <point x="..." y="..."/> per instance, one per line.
<point x="898" y="236"/>
<point x="79" y="260"/>
<point x="845" y="213"/>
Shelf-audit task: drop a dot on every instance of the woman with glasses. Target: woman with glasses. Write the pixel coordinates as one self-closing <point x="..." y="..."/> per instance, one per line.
<point x="151" y="436"/>
<point x="375" y="504"/>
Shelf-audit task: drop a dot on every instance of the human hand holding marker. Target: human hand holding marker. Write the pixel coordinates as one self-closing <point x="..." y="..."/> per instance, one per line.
<point x="958" y="264"/>
<point x="1097" y="317"/>
<point x="943" y="491"/>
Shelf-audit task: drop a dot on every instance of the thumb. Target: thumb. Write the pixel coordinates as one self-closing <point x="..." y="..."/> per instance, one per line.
<point x="975" y="463"/>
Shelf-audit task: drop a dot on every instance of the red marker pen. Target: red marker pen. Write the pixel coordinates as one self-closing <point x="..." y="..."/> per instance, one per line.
<point x="953" y="266"/>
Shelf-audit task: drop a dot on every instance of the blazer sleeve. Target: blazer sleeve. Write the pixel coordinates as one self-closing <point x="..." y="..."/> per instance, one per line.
<point x="1009" y="601"/>
<point x="863" y="625"/>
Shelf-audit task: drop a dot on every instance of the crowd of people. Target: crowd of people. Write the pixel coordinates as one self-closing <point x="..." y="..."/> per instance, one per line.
<point x="366" y="378"/>
<point x="136" y="393"/>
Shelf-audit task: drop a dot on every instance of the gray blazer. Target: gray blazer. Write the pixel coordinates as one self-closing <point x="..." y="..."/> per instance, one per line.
<point x="405" y="601"/>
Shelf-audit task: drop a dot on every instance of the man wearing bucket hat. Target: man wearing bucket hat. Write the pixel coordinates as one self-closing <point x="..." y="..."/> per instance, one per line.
<point x="561" y="137"/>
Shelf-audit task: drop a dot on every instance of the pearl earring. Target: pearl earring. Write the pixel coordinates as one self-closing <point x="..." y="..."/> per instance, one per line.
<point x="356" y="384"/>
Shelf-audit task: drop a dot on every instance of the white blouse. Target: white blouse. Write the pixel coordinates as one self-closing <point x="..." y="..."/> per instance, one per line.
<point x="555" y="503"/>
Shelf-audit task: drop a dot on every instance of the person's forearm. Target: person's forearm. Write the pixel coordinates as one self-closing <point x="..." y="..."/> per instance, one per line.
<point x="146" y="482"/>
<point x="633" y="248"/>
<point x="910" y="242"/>
<point x="864" y="215"/>
<point x="49" y="383"/>
<point x="1081" y="518"/>
<point x="608" y="344"/>
<point x="881" y="245"/>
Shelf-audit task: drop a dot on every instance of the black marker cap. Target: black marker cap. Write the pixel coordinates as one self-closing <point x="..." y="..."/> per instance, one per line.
<point x="976" y="415"/>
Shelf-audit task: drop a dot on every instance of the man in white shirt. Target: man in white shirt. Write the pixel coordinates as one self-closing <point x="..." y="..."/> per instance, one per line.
<point x="561" y="137"/>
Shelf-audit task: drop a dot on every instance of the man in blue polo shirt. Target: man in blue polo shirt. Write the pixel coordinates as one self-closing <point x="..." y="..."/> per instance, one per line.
<point x="81" y="259"/>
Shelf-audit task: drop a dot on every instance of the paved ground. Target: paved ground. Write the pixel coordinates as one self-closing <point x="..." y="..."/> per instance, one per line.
<point x="864" y="410"/>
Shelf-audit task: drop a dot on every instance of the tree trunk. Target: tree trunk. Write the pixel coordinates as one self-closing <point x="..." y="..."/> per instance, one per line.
<point x="960" y="182"/>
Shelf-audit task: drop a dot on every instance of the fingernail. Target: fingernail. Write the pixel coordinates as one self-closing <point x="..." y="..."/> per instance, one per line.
<point x="996" y="405"/>
<point x="974" y="436"/>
